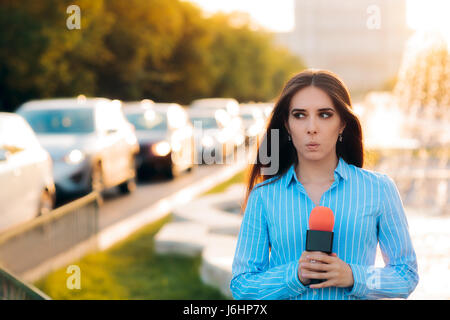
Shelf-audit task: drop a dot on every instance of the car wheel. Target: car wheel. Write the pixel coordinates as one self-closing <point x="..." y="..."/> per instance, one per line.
<point x="170" y="172"/>
<point x="46" y="203"/>
<point x="128" y="186"/>
<point x="97" y="182"/>
<point x="193" y="160"/>
<point x="224" y="154"/>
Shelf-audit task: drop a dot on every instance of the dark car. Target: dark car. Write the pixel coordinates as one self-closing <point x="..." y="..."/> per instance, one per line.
<point x="165" y="137"/>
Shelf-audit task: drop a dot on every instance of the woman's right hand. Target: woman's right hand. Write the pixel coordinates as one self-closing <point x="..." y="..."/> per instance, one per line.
<point x="301" y="270"/>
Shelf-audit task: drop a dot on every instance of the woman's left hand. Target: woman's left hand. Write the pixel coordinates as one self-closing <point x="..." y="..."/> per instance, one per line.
<point x="336" y="272"/>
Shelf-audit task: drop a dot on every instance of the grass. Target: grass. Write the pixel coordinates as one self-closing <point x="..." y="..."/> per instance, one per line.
<point x="239" y="177"/>
<point x="132" y="270"/>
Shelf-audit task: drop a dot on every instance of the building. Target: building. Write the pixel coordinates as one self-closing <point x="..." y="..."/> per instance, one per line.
<point x="360" y="40"/>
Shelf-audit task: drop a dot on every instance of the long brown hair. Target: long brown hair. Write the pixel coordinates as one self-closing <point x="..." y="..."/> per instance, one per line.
<point x="351" y="149"/>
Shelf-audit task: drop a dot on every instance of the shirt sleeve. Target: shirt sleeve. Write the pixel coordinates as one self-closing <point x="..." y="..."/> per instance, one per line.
<point x="252" y="279"/>
<point x="400" y="276"/>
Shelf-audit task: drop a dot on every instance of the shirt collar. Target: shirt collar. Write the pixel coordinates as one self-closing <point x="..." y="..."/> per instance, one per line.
<point x="340" y="172"/>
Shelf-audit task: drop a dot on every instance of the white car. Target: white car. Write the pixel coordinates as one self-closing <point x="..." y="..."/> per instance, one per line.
<point x="92" y="145"/>
<point x="228" y="115"/>
<point x="26" y="179"/>
<point x="214" y="138"/>
<point x="229" y="104"/>
<point x="253" y="119"/>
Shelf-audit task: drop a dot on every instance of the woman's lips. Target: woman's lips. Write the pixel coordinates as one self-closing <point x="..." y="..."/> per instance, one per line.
<point x="312" y="146"/>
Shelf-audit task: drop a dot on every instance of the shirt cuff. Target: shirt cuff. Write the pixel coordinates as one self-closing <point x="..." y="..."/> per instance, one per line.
<point x="359" y="281"/>
<point x="292" y="280"/>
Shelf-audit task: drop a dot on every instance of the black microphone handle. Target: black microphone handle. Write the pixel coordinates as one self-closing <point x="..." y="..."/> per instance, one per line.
<point x="319" y="241"/>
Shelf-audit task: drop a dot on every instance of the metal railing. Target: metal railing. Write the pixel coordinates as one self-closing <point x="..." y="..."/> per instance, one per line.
<point x="11" y="288"/>
<point x="29" y="246"/>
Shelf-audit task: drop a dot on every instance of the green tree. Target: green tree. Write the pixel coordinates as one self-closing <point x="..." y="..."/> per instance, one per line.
<point x="40" y="57"/>
<point x="165" y="50"/>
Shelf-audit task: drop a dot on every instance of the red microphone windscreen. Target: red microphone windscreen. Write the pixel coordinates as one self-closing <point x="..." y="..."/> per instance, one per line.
<point x="322" y="219"/>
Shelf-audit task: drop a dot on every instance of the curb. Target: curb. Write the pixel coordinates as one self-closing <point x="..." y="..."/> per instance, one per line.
<point x="204" y="227"/>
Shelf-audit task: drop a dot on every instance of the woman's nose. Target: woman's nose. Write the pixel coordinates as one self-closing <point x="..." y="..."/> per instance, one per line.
<point x="311" y="128"/>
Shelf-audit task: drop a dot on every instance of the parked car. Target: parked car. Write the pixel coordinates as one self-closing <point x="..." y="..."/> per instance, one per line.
<point x="26" y="179"/>
<point x="92" y="145"/>
<point x="214" y="137"/>
<point x="267" y="109"/>
<point x="253" y="120"/>
<point x="228" y="119"/>
<point x="165" y="137"/>
<point x="229" y="104"/>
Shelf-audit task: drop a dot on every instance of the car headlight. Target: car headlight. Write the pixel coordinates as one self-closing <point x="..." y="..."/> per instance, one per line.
<point x="131" y="139"/>
<point x="161" y="148"/>
<point x="253" y="130"/>
<point x="74" y="157"/>
<point x="207" y="141"/>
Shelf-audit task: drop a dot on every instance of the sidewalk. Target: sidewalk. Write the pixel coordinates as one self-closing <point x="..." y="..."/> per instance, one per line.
<point x="431" y="240"/>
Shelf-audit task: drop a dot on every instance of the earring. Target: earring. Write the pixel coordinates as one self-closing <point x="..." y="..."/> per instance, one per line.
<point x="340" y="137"/>
<point x="289" y="137"/>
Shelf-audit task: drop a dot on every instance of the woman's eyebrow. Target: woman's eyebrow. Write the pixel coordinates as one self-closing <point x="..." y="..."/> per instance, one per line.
<point x="319" y="110"/>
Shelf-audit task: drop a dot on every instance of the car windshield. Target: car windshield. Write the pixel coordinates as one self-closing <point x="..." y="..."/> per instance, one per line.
<point x="60" y="121"/>
<point x="247" y="116"/>
<point x="206" y="123"/>
<point x="149" y="120"/>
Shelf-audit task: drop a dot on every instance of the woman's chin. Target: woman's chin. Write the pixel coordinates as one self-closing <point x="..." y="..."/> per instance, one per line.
<point x="312" y="155"/>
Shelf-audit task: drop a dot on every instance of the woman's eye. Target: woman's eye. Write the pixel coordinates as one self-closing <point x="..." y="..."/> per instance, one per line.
<point x="324" y="115"/>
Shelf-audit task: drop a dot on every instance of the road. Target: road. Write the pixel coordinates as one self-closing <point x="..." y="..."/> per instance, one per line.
<point x="117" y="207"/>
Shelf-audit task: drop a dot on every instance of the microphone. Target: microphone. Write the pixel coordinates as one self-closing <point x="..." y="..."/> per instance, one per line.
<point x="319" y="237"/>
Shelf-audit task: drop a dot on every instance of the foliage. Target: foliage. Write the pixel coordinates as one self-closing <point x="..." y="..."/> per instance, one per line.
<point x="424" y="78"/>
<point x="165" y="50"/>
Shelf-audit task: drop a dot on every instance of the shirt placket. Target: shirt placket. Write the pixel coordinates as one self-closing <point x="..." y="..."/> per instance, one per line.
<point x="322" y="198"/>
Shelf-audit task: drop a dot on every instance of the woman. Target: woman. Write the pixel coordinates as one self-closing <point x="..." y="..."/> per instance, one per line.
<point x="320" y="163"/>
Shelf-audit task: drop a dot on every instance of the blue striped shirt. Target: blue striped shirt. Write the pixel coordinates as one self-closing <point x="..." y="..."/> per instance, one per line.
<point x="367" y="209"/>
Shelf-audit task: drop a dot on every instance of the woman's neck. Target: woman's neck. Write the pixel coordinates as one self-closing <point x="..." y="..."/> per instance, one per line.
<point x="316" y="171"/>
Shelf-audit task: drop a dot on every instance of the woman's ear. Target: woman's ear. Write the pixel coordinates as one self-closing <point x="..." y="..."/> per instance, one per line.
<point x="287" y="129"/>
<point x="343" y="128"/>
